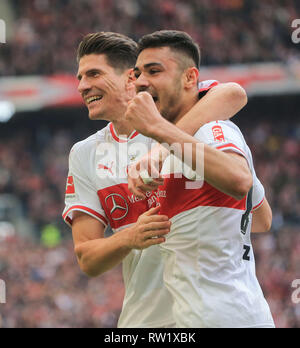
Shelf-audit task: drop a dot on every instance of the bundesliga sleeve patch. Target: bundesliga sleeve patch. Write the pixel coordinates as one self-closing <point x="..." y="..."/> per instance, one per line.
<point x="70" y="190"/>
<point x="218" y="133"/>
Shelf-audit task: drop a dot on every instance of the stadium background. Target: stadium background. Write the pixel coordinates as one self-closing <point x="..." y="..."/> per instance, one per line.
<point x="242" y="40"/>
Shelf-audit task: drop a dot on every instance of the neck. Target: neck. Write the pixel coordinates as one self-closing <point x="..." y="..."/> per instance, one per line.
<point x="122" y="127"/>
<point x="189" y="101"/>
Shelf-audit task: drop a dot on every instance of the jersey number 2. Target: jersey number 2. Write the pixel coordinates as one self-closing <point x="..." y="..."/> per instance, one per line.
<point x="246" y="253"/>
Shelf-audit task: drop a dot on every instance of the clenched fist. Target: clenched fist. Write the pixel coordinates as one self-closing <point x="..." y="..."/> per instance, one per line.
<point x="143" y="115"/>
<point x="151" y="164"/>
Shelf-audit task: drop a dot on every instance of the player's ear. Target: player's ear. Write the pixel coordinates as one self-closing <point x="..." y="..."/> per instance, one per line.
<point x="191" y="77"/>
<point x="130" y="84"/>
<point x="131" y="76"/>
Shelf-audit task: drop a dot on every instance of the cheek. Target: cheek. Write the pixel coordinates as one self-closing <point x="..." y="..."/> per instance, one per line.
<point x="167" y="97"/>
<point x="163" y="92"/>
<point x="113" y="83"/>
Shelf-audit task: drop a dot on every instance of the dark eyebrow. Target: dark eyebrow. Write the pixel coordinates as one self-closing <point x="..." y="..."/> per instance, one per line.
<point x="89" y="72"/>
<point x="149" y="65"/>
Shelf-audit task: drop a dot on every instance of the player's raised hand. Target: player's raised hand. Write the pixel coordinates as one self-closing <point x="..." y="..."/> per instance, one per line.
<point x="130" y="91"/>
<point x="144" y="175"/>
<point x="128" y="95"/>
<point x="143" y="115"/>
<point x="150" y="229"/>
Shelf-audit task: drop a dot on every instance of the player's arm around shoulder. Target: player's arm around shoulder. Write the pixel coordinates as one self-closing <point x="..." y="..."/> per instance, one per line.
<point x="226" y="100"/>
<point x="221" y="101"/>
<point x="231" y="93"/>
<point x="97" y="254"/>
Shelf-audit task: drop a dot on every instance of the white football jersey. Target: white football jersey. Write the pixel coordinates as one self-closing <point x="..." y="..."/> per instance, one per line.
<point x="97" y="185"/>
<point x="208" y="256"/>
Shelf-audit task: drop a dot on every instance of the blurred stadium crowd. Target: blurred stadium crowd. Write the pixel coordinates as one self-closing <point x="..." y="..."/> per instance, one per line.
<point x="230" y="31"/>
<point x="46" y="287"/>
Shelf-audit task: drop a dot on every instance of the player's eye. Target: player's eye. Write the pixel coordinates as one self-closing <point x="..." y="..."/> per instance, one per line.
<point x="93" y="74"/>
<point x="153" y="71"/>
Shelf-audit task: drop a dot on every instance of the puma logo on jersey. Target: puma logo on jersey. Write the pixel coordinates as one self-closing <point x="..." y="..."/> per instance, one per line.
<point x="218" y="133"/>
<point x="109" y="169"/>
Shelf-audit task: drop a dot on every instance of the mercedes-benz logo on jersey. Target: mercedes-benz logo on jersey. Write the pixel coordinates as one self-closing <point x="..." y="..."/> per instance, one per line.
<point x="117" y="205"/>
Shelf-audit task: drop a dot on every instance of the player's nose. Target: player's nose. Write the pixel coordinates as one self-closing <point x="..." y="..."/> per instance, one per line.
<point x="141" y="83"/>
<point x="84" y="86"/>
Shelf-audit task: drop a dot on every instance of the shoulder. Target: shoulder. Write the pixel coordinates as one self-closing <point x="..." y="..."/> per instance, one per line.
<point x="225" y="136"/>
<point x="220" y="131"/>
<point x="226" y="124"/>
<point x="222" y="135"/>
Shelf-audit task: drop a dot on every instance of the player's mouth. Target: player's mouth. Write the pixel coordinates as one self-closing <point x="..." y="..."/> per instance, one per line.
<point x="94" y="99"/>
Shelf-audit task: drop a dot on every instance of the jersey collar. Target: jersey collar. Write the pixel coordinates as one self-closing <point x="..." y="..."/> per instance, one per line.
<point x="119" y="139"/>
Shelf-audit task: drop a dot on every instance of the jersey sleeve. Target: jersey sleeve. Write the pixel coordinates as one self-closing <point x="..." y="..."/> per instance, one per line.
<point x="205" y="86"/>
<point x="81" y="195"/>
<point x="224" y="136"/>
<point x="258" y="195"/>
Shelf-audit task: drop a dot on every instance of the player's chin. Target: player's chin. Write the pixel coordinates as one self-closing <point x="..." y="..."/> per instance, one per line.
<point x="95" y="115"/>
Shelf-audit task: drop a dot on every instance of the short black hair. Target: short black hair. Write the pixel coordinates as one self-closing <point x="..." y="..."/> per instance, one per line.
<point x="176" y="40"/>
<point x="120" y="50"/>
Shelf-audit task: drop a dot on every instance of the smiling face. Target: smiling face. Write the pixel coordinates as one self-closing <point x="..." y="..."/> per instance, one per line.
<point x="101" y="87"/>
<point x="159" y="72"/>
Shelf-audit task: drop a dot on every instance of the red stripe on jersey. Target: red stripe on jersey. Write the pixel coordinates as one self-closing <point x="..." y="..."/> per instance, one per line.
<point x="121" y="206"/>
<point x="81" y="207"/>
<point x="258" y="205"/>
<point x="134" y="135"/>
<point x="179" y="199"/>
<point x="209" y="87"/>
<point x="114" y="135"/>
<point x="230" y="145"/>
